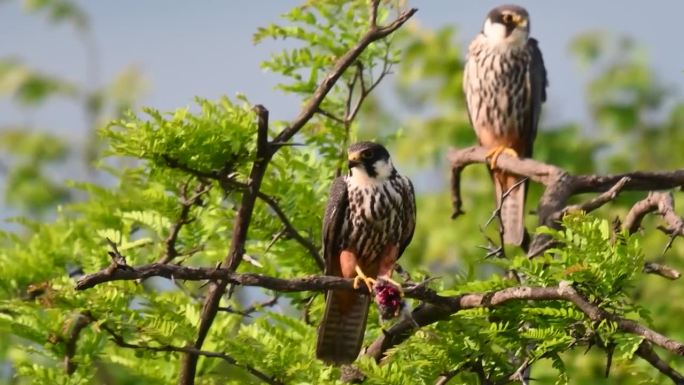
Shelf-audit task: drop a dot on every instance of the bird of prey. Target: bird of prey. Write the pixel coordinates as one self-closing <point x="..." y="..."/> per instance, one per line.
<point x="369" y="221"/>
<point x="505" y="85"/>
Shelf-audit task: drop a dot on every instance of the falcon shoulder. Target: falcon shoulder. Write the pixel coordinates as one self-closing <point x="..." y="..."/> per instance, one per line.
<point x="333" y="221"/>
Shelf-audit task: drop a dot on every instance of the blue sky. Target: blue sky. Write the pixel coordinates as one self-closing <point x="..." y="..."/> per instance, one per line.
<point x="204" y="48"/>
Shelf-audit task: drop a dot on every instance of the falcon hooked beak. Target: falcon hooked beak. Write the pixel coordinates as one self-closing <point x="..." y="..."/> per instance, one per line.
<point x="508" y="24"/>
<point x="354" y="159"/>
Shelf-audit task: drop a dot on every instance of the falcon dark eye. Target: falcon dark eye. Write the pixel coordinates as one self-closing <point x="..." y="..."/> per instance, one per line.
<point x="367" y="154"/>
<point x="507" y="18"/>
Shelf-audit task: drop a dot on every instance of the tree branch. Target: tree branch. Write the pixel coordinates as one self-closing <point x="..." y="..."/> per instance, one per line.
<point x="646" y="352"/>
<point x="663" y="203"/>
<point x="372" y="35"/>
<point x="290" y="229"/>
<point x="438" y="306"/>
<point x="237" y="244"/>
<point x="661" y="270"/>
<point x="73" y="330"/>
<point x="599" y="200"/>
<point x="559" y="185"/>
<point x="120" y="341"/>
<point x="186" y="204"/>
<point x="253" y="308"/>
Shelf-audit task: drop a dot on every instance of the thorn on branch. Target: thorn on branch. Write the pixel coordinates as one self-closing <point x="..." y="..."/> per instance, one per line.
<point x="118" y="260"/>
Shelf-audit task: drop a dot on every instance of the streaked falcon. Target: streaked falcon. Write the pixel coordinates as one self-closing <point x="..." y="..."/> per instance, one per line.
<point x="505" y="85"/>
<point x="369" y="221"/>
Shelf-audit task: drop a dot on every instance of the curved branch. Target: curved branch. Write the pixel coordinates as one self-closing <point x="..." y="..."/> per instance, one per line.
<point x="663" y="203"/>
<point x="438" y="306"/>
<point x="559" y="185"/>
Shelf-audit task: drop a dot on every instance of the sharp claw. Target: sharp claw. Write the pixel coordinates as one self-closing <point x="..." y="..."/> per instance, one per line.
<point x="356" y="282"/>
<point x="360" y="276"/>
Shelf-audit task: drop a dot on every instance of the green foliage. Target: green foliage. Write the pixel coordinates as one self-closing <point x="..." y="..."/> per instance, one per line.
<point x="223" y="130"/>
<point x="27" y="186"/>
<point x="30" y="87"/>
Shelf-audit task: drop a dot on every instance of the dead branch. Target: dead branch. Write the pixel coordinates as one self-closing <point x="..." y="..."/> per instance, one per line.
<point x="661" y="270"/>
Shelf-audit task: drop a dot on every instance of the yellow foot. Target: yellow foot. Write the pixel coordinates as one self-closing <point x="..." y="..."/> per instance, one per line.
<point x="494" y="153"/>
<point x="361" y="277"/>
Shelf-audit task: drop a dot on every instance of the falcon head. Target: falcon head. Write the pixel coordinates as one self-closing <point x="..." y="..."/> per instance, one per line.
<point x="369" y="162"/>
<point x="508" y="25"/>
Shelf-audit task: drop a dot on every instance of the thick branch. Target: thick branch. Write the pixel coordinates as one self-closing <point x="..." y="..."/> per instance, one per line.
<point x="237" y="244"/>
<point x="646" y="352"/>
<point x="663" y="203"/>
<point x="290" y="229"/>
<point x="439" y="306"/>
<point x="560" y="186"/>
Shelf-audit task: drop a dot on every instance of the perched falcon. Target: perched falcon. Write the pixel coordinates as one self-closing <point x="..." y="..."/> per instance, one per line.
<point x="369" y="221"/>
<point x="505" y="85"/>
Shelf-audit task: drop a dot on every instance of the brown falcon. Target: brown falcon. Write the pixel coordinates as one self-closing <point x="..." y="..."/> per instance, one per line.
<point x="369" y="221"/>
<point x="505" y="85"/>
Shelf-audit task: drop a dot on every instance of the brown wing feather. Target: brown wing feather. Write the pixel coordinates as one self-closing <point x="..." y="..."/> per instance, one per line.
<point x="537" y="82"/>
<point x="340" y="333"/>
<point x="409" y="212"/>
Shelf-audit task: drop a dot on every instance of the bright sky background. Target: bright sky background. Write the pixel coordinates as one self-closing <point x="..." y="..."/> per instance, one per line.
<point x="203" y="48"/>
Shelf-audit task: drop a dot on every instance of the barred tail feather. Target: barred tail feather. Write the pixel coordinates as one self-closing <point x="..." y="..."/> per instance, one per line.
<point x="513" y="208"/>
<point x="340" y="334"/>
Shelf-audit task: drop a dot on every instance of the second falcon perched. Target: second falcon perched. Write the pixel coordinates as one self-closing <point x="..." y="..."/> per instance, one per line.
<point x="369" y="221"/>
<point x="505" y="84"/>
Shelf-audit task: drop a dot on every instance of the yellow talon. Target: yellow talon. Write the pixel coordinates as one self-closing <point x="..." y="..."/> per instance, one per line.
<point x="360" y="276"/>
<point x="494" y="153"/>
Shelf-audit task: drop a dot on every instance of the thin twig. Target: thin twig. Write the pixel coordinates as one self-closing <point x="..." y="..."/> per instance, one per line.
<point x="120" y="341"/>
<point x="600" y="199"/>
<point x="187" y="202"/>
<point x="253" y="308"/>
